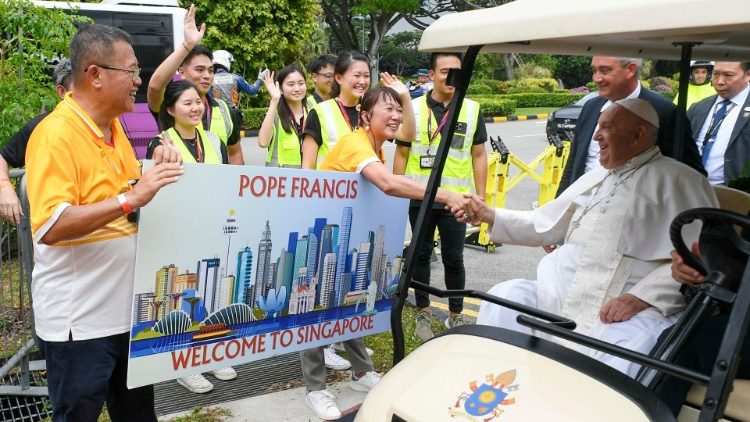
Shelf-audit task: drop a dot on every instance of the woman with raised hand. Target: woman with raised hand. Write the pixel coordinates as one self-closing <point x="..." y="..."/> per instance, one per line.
<point x="281" y="130"/>
<point x="381" y="114"/>
<point x="360" y="151"/>
<point x="330" y="120"/>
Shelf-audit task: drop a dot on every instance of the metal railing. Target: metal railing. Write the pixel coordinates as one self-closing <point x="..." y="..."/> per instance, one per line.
<point x="23" y="394"/>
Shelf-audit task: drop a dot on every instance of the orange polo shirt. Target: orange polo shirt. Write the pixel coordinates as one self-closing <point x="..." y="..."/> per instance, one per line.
<point x="81" y="287"/>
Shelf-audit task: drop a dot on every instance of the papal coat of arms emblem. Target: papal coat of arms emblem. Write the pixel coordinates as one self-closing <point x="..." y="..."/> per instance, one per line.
<point x="484" y="402"/>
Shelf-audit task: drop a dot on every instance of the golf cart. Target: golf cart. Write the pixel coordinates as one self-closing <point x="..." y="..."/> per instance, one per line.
<point x="480" y="373"/>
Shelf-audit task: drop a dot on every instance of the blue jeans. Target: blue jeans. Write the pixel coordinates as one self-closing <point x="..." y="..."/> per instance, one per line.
<point x="452" y="238"/>
<point x="82" y="375"/>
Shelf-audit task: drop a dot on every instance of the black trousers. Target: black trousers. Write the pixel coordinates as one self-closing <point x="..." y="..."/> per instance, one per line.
<point x="699" y="354"/>
<point x="452" y="237"/>
<point x="84" y="374"/>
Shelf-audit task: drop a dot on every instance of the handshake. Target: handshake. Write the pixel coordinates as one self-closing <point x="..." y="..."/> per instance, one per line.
<point x="468" y="208"/>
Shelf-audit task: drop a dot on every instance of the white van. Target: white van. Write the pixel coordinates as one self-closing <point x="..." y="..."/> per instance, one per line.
<point x="156" y="27"/>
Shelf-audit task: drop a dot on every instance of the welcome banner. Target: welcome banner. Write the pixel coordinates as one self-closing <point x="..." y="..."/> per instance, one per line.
<point x="239" y="263"/>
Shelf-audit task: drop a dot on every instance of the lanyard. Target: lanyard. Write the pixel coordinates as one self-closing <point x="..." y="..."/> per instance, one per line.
<point x="301" y="123"/>
<point x="346" y="116"/>
<point x="713" y="127"/>
<point x="434" y="134"/>
<point x="198" y="149"/>
<point x="208" y="112"/>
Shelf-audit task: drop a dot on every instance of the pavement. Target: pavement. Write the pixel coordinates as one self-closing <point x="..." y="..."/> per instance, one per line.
<point x="526" y="139"/>
<point x="283" y="406"/>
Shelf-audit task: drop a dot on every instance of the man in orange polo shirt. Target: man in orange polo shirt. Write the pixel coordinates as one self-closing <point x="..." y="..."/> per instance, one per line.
<point x="80" y="172"/>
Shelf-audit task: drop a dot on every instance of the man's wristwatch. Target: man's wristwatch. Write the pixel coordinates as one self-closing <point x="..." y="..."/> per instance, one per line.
<point x="126" y="207"/>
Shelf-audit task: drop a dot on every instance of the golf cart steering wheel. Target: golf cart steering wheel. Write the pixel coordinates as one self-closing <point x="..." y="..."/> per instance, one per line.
<point x="720" y="244"/>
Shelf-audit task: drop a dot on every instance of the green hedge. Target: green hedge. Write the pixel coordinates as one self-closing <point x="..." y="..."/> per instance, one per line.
<point x="536" y="99"/>
<point x="529" y="85"/>
<point x="495" y="105"/>
<point x="253" y="117"/>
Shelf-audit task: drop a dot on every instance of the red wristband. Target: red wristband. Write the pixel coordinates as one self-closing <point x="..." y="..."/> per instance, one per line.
<point x="126" y="208"/>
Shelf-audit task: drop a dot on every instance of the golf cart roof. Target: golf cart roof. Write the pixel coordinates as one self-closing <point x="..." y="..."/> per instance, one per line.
<point x="633" y="28"/>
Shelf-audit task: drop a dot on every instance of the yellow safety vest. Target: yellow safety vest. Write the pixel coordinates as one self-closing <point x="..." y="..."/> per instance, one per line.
<point x="458" y="171"/>
<point x="332" y="126"/>
<point x="284" y="150"/>
<point x="211" y="145"/>
<point x="221" y="120"/>
<point x="311" y="102"/>
<point x="696" y="93"/>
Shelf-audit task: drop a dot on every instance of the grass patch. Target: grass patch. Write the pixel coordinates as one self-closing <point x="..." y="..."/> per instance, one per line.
<point x="525" y="111"/>
<point x="382" y="344"/>
<point x="199" y="414"/>
<point x="15" y="321"/>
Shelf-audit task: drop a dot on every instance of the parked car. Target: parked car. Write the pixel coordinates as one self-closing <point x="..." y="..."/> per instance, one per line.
<point x="564" y="119"/>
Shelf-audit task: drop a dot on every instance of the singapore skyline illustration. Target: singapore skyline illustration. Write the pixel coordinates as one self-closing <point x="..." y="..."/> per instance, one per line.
<point x="320" y="274"/>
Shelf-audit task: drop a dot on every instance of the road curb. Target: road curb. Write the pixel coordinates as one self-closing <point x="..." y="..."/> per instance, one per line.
<point x="515" y="118"/>
<point x="248" y="133"/>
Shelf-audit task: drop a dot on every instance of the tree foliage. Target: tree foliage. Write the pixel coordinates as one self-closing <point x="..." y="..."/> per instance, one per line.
<point x="399" y="54"/>
<point x="344" y="17"/>
<point x="261" y="33"/>
<point x="574" y="71"/>
<point x="30" y="36"/>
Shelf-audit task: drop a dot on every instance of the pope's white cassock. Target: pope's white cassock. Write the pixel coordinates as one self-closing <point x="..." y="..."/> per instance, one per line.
<point x="614" y="229"/>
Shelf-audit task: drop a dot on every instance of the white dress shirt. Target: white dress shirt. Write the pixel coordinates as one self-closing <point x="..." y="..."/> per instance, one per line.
<point x="715" y="164"/>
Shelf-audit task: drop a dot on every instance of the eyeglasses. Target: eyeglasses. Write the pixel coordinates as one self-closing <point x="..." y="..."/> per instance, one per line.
<point x="326" y="75"/>
<point x="136" y="72"/>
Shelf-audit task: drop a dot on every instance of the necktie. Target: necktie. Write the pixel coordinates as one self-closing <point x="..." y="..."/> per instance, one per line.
<point x="713" y="129"/>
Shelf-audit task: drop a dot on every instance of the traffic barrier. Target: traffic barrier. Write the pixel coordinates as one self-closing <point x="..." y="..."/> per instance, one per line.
<point x="552" y="160"/>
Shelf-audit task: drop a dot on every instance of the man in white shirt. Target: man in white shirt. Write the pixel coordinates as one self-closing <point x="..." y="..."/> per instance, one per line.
<point x="611" y="275"/>
<point x="719" y="123"/>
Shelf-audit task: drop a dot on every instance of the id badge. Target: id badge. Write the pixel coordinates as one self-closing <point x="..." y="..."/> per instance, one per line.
<point x="426" y="161"/>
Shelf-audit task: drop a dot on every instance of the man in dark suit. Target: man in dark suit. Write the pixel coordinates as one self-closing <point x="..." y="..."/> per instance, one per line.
<point x="617" y="78"/>
<point x="720" y="123"/>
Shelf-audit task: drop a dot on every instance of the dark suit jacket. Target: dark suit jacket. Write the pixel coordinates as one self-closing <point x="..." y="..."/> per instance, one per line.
<point x="586" y="124"/>
<point x="738" y="150"/>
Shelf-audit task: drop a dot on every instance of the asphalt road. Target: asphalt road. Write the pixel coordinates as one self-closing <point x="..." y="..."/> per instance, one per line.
<point x="525" y="139"/>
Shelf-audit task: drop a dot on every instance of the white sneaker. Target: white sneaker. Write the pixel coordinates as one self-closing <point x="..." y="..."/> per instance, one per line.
<point x="196" y="383"/>
<point x="334" y="361"/>
<point x="225" y="374"/>
<point x="322" y="404"/>
<point x="365" y="382"/>
<point x="339" y="347"/>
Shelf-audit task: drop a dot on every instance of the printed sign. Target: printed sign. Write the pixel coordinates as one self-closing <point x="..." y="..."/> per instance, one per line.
<point x="239" y="263"/>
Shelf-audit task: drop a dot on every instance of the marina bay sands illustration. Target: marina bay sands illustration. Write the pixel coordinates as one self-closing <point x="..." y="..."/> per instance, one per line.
<point x="320" y="274"/>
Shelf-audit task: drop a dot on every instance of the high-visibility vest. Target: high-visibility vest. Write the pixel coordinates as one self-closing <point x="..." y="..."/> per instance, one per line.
<point x="284" y="150"/>
<point x="211" y="145"/>
<point x="332" y="126"/>
<point x="458" y="171"/>
<point x="696" y="93"/>
<point x="221" y="120"/>
<point x="311" y="102"/>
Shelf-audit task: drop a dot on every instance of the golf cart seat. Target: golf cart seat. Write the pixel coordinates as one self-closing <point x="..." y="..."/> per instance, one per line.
<point x="737" y="406"/>
<point x="478" y="372"/>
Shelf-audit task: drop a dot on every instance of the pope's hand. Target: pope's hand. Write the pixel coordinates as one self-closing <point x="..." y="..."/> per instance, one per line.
<point x="621" y="308"/>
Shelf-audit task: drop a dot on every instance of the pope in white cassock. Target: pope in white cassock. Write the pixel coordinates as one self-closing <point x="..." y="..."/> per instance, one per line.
<point x="611" y="275"/>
